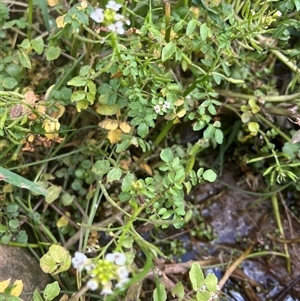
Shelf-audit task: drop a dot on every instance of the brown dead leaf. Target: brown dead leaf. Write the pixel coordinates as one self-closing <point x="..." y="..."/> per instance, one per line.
<point x="125" y="127"/>
<point x="144" y="166"/>
<point x="114" y="136"/>
<point x="125" y="163"/>
<point x="30" y="97"/>
<point x="181" y="113"/>
<point x="52" y="2"/>
<point x="60" y="21"/>
<point x="109" y="124"/>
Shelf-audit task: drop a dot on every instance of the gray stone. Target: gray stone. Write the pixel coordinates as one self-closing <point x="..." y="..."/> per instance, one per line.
<point x="18" y="263"/>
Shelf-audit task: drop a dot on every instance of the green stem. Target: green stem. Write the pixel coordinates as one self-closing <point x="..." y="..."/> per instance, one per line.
<point x="33" y="246"/>
<point x="286" y="61"/>
<point x="264" y="120"/>
<point x="268" y="98"/>
<point x="93" y="210"/>
<point x="30" y="18"/>
<point x="167" y="29"/>
<point x="281" y="231"/>
<point x="115" y="45"/>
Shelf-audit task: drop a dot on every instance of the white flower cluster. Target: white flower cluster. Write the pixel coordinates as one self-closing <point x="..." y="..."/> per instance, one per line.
<point x="162" y="107"/>
<point x="110" y="18"/>
<point x="103" y="272"/>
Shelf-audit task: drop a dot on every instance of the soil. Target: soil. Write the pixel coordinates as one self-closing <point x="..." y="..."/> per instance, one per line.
<point x="239" y="220"/>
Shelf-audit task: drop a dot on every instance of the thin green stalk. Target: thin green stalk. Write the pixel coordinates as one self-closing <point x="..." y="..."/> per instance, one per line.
<point x="33" y="246"/>
<point x="265" y="253"/>
<point x="281" y="231"/>
<point x="93" y="210"/>
<point x="110" y="200"/>
<point x="264" y="120"/>
<point x="286" y="61"/>
<point x="267" y="98"/>
<point x="30" y="18"/>
<point x="167" y="29"/>
<point x="49" y="159"/>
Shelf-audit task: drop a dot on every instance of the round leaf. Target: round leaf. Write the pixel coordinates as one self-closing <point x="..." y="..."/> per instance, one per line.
<point x="209" y="175"/>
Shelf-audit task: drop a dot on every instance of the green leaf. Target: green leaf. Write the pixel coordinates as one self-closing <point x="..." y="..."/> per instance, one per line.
<point x="53" y="193"/>
<point x="9" y="83"/>
<point x="297" y="4"/>
<point x="82" y="105"/>
<point x="203" y="296"/>
<point x="191" y="27"/>
<point x="209" y="132"/>
<point x="143" y="130"/>
<point x="38" y="45"/>
<point x="14" y="179"/>
<point x="84" y="71"/>
<point x="204" y="30"/>
<point x="78" y="95"/>
<point x="47" y="264"/>
<point x="168" y="51"/>
<point x="77" y="81"/>
<point x="196" y="276"/>
<point x="67" y="199"/>
<point x="92" y="87"/>
<point x="3" y="228"/>
<point x="37" y="296"/>
<point x="24" y="58"/>
<point x="219" y="136"/>
<point x="127" y="182"/>
<point x="62" y="258"/>
<point x="160" y="293"/>
<point x="107" y="110"/>
<point x="52" y="53"/>
<point x="178" y="290"/>
<point x="114" y="175"/>
<point x="166" y="155"/>
<point x="6" y="239"/>
<point x="101" y="167"/>
<point x="56" y="260"/>
<point x="51" y="291"/>
<point x="124" y="196"/>
<point x="13" y="223"/>
<point x="25" y="44"/>
<point x="212" y="110"/>
<point x="253" y="128"/>
<point x="211" y="282"/>
<point x="209" y="175"/>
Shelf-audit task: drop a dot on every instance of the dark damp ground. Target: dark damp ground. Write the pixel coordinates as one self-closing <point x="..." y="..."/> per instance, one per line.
<point x="228" y="220"/>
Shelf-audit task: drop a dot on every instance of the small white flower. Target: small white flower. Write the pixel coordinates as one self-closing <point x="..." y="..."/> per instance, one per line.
<point x="92" y="284"/>
<point x="119" y="17"/>
<point x="117" y="258"/>
<point x="117" y="27"/>
<point x="278" y="14"/>
<point x="89" y="267"/>
<point x="122" y="272"/>
<point x="97" y="15"/>
<point x="122" y="283"/>
<point x="79" y="260"/>
<point x="106" y="290"/>
<point x="157" y="109"/>
<point x="166" y="105"/>
<point x="113" y="5"/>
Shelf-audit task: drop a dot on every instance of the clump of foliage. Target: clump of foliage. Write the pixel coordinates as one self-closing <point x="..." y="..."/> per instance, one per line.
<point x="94" y="94"/>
